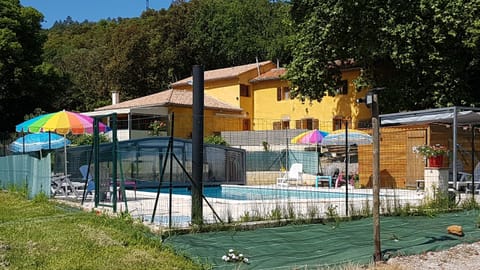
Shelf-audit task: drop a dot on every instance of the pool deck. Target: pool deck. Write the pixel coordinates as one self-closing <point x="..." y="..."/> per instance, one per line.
<point x="141" y="205"/>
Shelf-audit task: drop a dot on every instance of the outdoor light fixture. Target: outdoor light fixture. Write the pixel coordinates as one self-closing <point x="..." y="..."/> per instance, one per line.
<point x="368" y="99"/>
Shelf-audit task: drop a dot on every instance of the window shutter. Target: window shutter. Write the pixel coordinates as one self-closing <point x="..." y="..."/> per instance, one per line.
<point x="279" y="93"/>
<point x="277" y="125"/>
<point x="315" y="123"/>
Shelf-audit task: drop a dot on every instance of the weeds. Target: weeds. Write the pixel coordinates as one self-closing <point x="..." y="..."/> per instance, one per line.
<point x="291" y="211"/>
<point x="470" y="204"/>
<point x="276" y="213"/>
<point x="312" y="212"/>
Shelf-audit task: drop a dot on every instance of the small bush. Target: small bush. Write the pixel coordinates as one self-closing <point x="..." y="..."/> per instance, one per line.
<point x="215" y="139"/>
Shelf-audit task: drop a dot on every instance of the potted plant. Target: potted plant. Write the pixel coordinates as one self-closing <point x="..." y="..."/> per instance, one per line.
<point x="434" y="153"/>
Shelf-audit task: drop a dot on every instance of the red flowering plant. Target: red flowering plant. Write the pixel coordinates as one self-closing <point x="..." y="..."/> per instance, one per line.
<point x="431" y="150"/>
<point x="157" y="127"/>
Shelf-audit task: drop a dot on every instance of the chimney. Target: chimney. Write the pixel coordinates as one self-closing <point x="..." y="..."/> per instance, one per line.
<point x="115" y="97"/>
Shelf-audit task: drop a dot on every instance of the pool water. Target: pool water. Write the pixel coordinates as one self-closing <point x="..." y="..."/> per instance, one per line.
<point x="245" y="193"/>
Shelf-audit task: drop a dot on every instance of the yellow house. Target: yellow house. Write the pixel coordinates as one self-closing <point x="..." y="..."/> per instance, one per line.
<point x="264" y="97"/>
<point x="247" y="97"/>
<point x="135" y="116"/>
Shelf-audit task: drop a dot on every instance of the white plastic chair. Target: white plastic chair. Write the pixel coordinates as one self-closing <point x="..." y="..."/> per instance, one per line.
<point x="294" y="174"/>
<point x="465" y="180"/>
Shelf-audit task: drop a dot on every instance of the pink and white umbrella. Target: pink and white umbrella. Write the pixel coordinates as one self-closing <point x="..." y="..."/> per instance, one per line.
<point x="314" y="136"/>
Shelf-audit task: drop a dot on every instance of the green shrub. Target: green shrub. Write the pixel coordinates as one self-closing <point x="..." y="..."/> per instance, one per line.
<point x="215" y="139"/>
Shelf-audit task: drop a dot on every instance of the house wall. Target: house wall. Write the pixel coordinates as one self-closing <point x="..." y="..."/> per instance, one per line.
<point x="227" y="91"/>
<point x="267" y="109"/>
<point x="214" y="121"/>
<point x="263" y="109"/>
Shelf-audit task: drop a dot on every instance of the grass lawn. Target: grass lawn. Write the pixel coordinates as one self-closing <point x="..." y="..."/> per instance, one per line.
<point x="42" y="234"/>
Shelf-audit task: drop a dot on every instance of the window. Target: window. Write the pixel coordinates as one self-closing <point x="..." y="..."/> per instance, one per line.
<point x="364" y="124"/>
<point x="307" y="123"/>
<point x="339" y="123"/>
<point x="342" y="88"/>
<point x="244" y="91"/>
<point x="142" y="122"/>
<point x="280" y="125"/>
<point x="246" y="124"/>
<point x="283" y="93"/>
<point x="122" y="121"/>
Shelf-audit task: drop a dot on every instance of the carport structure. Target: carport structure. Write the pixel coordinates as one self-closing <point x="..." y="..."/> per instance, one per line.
<point x="464" y="118"/>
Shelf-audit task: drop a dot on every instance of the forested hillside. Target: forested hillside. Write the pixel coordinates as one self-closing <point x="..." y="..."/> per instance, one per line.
<point x="425" y="53"/>
<point x="141" y="56"/>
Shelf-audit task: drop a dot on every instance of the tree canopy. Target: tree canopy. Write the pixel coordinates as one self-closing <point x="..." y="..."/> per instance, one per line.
<point x="425" y="52"/>
<point x="141" y="56"/>
<point x="24" y="78"/>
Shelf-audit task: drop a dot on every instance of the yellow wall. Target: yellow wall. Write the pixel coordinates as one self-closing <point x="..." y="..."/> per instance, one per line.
<point x="213" y="122"/>
<point x="263" y="109"/>
<point x="226" y="93"/>
<point x="268" y="109"/>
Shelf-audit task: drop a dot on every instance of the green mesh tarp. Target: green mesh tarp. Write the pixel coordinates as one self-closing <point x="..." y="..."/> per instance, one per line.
<point x="319" y="245"/>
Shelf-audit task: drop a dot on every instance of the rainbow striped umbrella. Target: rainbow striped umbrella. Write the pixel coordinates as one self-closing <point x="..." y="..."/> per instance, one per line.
<point x="310" y="137"/>
<point x="314" y="136"/>
<point x="62" y="122"/>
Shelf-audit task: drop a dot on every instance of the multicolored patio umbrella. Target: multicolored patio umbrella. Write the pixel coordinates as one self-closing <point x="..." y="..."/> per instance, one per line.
<point x="314" y="136"/>
<point x="354" y="137"/>
<point x="310" y="137"/>
<point x="62" y="122"/>
<point x="38" y="141"/>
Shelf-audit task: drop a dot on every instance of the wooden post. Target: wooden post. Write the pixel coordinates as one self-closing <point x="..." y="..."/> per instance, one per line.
<point x="377" y="256"/>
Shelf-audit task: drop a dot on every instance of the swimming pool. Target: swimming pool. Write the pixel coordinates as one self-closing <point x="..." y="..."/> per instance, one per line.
<point x="248" y="193"/>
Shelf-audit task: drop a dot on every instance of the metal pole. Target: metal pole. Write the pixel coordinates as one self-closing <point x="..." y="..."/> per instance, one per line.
<point x="376" y="178"/>
<point x="197" y="142"/>
<point x="114" y="161"/>
<point x="96" y="158"/>
<point x="346" y="167"/>
<point x="473" y="163"/>
<point x="170" y="186"/>
<point x="454" y="152"/>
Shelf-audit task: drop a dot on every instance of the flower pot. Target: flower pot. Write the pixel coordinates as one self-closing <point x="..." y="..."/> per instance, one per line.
<point x="435" y="161"/>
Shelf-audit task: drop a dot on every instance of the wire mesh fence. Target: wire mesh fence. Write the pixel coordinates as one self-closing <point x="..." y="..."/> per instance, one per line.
<point x="265" y="172"/>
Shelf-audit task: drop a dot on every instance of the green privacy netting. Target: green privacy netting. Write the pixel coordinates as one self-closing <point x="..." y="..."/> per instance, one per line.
<point x="318" y="245"/>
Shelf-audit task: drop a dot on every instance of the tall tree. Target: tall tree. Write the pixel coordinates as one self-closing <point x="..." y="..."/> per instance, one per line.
<point x="235" y="32"/>
<point x="80" y="52"/>
<point x="425" y="52"/>
<point x="24" y="79"/>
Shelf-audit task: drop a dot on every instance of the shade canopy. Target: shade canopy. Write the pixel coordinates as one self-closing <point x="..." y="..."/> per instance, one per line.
<point x="62" y="122"/>
<point x="38" y="141"/>
<point x="338" y="137"/>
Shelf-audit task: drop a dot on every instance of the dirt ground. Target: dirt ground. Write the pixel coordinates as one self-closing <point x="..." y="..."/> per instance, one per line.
<point x="460" y="257"/>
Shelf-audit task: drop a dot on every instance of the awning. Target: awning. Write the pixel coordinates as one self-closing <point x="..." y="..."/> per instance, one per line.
<point x="465" y="116"/>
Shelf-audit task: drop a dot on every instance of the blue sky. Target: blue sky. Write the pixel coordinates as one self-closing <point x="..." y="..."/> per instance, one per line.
<point x="91" y="10"/>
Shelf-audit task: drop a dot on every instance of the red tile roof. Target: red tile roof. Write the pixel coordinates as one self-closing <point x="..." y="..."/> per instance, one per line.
<point x="171" y="98"/>
<point x="273" y="74"/>
<point x="223" y="73"/>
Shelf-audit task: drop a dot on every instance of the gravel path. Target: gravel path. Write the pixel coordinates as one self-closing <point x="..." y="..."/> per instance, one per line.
<point x="460" y="257"/>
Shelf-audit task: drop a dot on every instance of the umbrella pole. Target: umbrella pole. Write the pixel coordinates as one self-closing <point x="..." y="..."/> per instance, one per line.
<point x="65" y="159"/>
<point x="319" y="165"/>
<point x="23" y="136"/>
<point x="346" y="175"/>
